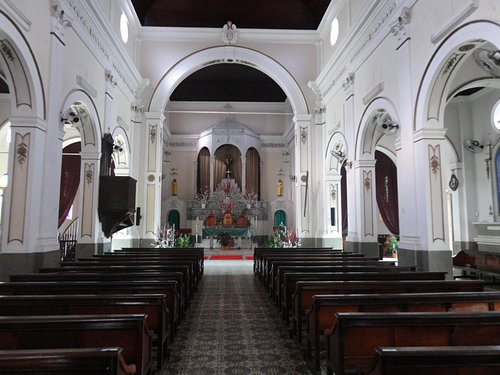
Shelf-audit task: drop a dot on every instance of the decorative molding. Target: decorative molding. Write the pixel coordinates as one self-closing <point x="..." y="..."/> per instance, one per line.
<point x="348" y="84"/>
<point x="373" y="93"/>
<point x="152" y="133"/>
<point x="464" y="13"/>
<point x="17" y="15"/>
<point x="229" y="33"/>
<point x="22" y="148"/>
<point x="89" y="176"/>
<point x="102" y="41"/>
<point x="21" y="86"/>
<point x="182" y="144"/>
<point x="303" y="134"/>
<point x="84" y="84"/>
<point x="367" y="181"/>
<point x="401" y="28"/>
<point x="436" y="196"/>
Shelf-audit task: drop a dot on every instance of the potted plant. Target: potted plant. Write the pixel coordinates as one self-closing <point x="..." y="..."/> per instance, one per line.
<point x="183" y="241"/>
<point x="224" y="240"/>
<point x="391" y="246"/>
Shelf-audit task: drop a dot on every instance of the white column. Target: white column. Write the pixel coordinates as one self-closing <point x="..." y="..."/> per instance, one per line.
<point x="303" y="181"/>
<point x="23" y="195"/>
<point x="151" y="179"/>
<point x="243" y="174"/>
<point x="212" y="173"/>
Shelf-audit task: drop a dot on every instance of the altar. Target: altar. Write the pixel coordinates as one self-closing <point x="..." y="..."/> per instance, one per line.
<point x="233" y="231"/>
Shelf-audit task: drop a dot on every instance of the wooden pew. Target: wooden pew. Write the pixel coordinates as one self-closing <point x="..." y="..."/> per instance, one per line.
<point x="179" y="266"/>
<point x="321" y="316"/>
<point x="153" y="305"/>
<point x="260" y="253"/>
<point x="167" y="259"/>
<point x="168" y="288"/>
<point x="199" y="252"/>
<point x="71" y="361"/>
<point x="129" y="332"/>
<point x="127" y="267"/>
<point x="287" y="288"/>
<point x="271" y="265"/>
<point x="269" y="260"/>
<point x="109" y="276"/>
<point x="478" y="265"/>
<point x="432" y="360"/>
<point x="352" y="341"/>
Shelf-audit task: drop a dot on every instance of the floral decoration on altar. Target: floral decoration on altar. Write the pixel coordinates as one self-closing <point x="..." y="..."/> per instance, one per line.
<point x="249" y="198"/>
<point x="283" y="237"/>
<point x="203" y="195"/>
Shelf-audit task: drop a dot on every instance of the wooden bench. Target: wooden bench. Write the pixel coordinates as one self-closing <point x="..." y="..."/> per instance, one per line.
<point x="479" y="265"/>
<point x="287" y="288"/>
<point x="352" y="341"/>
<point x="198" y="252"/>
<point x="129" y="332"/>
<point x="153" y="305"/>
<point x="432" y="360"/>
<point x="109" y="276"/>
<point x="179" y="266"/>
<point x="260" y="253"/>
<point x="192" y="260"/>
<point x="168" y="288"/>
<point x="71" y="361"/>
<point x="321" y="316"/>
<point x="270" y="260"/>
<point x="127" y="267"/>
<point x="272" y="265"/>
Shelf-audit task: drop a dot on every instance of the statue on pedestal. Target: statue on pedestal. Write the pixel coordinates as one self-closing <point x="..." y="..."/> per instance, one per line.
<point x="228" y="162"/>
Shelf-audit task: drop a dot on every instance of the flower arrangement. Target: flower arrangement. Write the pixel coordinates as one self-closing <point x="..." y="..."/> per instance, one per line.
<point x="203" y="195"/>
<point x="283" y="237"/>
<point x="224" y="239"/>
<point x="391" y="245"/>
<point x="165" y="237"/>
<point x="249" y="198"/>
<point x="183" y="241"/>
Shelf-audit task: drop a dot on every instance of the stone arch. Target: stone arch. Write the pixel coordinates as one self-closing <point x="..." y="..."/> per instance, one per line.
<point x="368" y="134"/>
<point x="22" y="72"/>
<point x="89" y="124"/>
<point x="228" y="54"/>
<point x="433" y="89"/>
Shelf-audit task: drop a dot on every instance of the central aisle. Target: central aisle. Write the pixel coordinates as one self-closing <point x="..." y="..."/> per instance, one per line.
<point x="232" y="328"/>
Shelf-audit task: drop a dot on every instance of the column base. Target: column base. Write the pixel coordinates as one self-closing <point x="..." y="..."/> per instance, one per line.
<point x="427" y="260"/>
<point x="370" y="249"/>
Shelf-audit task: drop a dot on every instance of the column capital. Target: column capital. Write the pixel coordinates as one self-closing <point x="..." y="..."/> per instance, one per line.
<point x="430" y="134"/>
<point x="155" y="116"/>
<point x="357" y="164"/>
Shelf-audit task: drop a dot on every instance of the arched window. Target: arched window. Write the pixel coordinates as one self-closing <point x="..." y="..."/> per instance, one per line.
<point x="203" y="172"/>
<point x="174" y="218"/>
<point x="279" y="218"/>
<point x="253" y="171"/>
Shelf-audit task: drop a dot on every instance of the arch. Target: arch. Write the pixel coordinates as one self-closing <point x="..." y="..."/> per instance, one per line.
<point x="432" y="90"/>
<point x="227" y="54"/>
<point x="279" y="218"/>
<point x="89" y="126"/>
<point x="368" y="135"/>
<point x="22" y="72"/>
<point x="174" y="218"/>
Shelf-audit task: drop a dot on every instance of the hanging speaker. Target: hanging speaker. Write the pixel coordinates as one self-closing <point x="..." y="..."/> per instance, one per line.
<point x="138" y="216"/>
<point x="332" y="216"/>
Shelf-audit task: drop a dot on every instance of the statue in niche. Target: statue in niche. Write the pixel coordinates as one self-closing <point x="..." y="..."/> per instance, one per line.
<point x="279" y="192"/>
<point x="228" y="162"/>
<point x="173" y="187"/>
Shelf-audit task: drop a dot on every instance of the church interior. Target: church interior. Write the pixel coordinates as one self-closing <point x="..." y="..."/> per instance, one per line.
<point x="230" y="140"/>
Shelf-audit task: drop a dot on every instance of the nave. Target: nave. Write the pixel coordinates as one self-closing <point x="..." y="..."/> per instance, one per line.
<point x="233" y="328"/>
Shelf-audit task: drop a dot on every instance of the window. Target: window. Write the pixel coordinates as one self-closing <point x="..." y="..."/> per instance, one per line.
<point x="495" y="116"/>
<point x="334" y="32"/>
<point x="124" y="27"/>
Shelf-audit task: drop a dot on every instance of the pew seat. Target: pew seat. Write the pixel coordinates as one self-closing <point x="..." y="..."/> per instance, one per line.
<point x="441" y="360"/>
<point x="130" y="332"/>
<point x="71" y="361"/>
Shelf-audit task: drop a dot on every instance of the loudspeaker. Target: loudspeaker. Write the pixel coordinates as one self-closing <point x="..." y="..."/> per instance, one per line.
<point x="332" y="216"/>
<point x="138" y="216"/>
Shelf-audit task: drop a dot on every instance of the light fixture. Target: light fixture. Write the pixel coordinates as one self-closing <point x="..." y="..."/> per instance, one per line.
<point x="334" y="32"/>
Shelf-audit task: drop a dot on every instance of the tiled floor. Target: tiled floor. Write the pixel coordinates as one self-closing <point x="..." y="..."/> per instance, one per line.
<point x="232" y="328"/>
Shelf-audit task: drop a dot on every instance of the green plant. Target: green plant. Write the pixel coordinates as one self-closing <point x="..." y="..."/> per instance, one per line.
<point x="274" y="241"/>
<point x="224" y="239"/>
<point x="183" y="240"/>
<point x="391" y="245"/>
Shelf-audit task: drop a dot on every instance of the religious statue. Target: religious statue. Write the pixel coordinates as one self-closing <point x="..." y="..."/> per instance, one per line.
<point x="279" y="193"/>
<point x="173" y="187"/>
